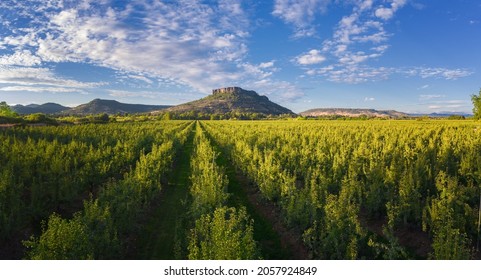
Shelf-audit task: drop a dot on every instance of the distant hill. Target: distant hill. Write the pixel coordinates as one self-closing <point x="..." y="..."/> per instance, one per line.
<point x="99" y="106"/>
<point x="347" y="112"/>
<point x="229" y="99"/>
<point x="47" y="108"/>
<point x="442" y="114"/>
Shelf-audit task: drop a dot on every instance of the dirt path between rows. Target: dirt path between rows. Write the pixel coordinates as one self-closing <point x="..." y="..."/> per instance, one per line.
<point x="163" y="233"/>
<point x="277" y="241"/>
<point x="290" y="238"/>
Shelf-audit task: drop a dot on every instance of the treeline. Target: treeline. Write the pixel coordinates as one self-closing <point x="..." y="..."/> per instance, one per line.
<point x="335" y="180"/>
<point x="233" y="115"/>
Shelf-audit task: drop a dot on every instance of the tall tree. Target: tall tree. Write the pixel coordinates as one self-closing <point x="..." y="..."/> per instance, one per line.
<point x="476" y="99"/>
<point x="6" y="111"/>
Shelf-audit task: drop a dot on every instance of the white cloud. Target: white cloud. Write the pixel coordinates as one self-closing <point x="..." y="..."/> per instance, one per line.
<point x="30" y="76"/>
<point x="352" y="59"/>
<point x="40" y="89"/>
<point x="312" y="57"/>
<point x="396" y="4"/>
<point x="20" y="58"/>
<point x="300" y="14"/>
<point x="161" y="97"/>
<point x="195" y="44"/>
<point x="430" y="96"/>
<point x="256" y="70"/>
<point x="439" y="72"/>
<point x="448" y="105"/>
<point x="351" y="72"/>
<point x="365" y="5"/>
<point x="125" y="93"/>
<point x="268" y="64"/>
<point x="380" y="49"/>
<point x="355" y="31"/>
<point x="354" y="74"/>
<point x="418" y="6"/>
<point x="140" y="78"/>
<point x="359" y="38"/>
<point x="278" y="91"/>
<point x="28" y="39"/>
<point x="376" y="38"/>
<point x="369" y="99"/>
<point x="387" y="13"/>
<point x="453" y="102"/>
<point x="384" y="13"/>
<point x="451" y="106"/>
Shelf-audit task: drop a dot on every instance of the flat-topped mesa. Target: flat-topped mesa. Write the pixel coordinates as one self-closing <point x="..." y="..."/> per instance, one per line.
<point x="237" y="91"/>
<point x="227" y="90"/>
<point x="227" y="100"/>
<point x="234" y="90"/>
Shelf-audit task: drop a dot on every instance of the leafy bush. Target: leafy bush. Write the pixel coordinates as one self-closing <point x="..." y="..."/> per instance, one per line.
<point x="226" y="234"/>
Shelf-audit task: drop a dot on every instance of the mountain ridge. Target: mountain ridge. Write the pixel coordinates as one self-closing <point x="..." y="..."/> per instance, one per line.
<point x="232" y="99"/>
<point x="221" y="101"/>
<point x="100" y="106"/>
<point x="46" y="108"/>
<point x="352" y="112"/>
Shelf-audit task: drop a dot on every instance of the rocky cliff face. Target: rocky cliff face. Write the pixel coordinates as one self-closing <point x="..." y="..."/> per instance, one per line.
<point x="349" y="112"/>
<point x="227" y="90"/>
<point x="229" y="99"/>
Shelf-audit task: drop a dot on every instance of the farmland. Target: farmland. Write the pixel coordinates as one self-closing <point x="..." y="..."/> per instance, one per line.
<point x="283" y="189"/>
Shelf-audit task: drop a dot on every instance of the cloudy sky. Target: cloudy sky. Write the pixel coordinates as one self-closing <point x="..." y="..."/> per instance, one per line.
<point x="407" y="55"/>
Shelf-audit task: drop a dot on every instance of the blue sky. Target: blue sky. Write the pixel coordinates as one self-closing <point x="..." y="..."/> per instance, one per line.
<point x="408" y="55"/>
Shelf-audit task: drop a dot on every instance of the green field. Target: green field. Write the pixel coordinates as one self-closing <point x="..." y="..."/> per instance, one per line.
<point x="280" y="189"/>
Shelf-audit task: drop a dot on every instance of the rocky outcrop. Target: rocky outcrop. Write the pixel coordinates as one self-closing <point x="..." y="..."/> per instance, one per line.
<point x="227" y="90"/>
<point x="232" y="99"/>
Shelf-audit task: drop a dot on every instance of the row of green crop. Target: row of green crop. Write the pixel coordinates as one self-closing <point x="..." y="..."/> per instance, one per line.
<point x="46" y="169"/>
<point x="102" y="228"/>
<point x="219" y="232"/>
<point x="327" y="175"/>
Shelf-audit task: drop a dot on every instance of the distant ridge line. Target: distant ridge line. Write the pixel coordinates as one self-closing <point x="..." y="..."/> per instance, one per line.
<point x="353" y="112"/>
